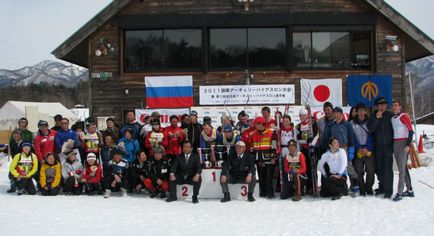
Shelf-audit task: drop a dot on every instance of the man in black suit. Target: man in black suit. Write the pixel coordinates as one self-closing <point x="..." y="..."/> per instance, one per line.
<point x="185" y="170"/>
<point x="238" y="168"/>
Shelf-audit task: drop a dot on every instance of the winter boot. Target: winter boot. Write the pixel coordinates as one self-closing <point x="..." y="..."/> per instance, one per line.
<point x="250" y="197"/>
<point x="296" y="197"/>
<point x="408" y="193"/>
<point x="398" y="197"/>
<point x="163" y="195"/>
<point x="20" y="192"/>
<point x="171" y="198"/>
<point x="226" y="198"/>
<point x="195" y="199"/>
<point x="107" y="193"/>
<point x="153" y="194"/>
<point x="337" y="197"/>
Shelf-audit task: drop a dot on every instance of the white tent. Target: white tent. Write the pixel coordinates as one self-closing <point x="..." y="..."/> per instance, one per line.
<point x="12" y="111"/>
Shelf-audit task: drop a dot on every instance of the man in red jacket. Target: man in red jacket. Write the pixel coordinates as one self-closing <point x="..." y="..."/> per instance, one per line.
<point x="44" y="140"/>
<point x="173" y="137"/>
<point x="295" y="171"/>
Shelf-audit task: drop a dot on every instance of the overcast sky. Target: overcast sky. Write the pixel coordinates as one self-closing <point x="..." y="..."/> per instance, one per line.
<point x="32" y="29"/>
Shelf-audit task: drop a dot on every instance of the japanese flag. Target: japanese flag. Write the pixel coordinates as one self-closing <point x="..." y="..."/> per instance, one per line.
<point x="316" y="92"/>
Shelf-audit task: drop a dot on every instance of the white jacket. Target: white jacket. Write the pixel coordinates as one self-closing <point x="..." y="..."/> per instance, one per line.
<point x="337" y="162"/>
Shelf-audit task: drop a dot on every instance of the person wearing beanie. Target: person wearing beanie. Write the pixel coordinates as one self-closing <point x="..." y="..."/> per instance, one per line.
<point x="306" y="132"/>
<point x="265" y="149"/>
<point x="295" y="172"/>
<point x="92" y="175"/>
<point x="44" y="140"/>
<point x="229" y="137"/>
<point x="380" y="125"/>
<point x="50" y="175"/>
<point x="343" y="131"/>
<point x="173" y="138"/>
<point x="57" y="122"/>
<point x="155" y="137"/>
<point x="91" y="140"/>
<point x="157" y="181"/>
<point x="194" y="130"/>
<point x="23" y="167"/>
<point x="138" y="172"/>
<point x="335" y="176"/>
<point x="72" y="170"/>
<point x="117" y="177"/>
<point x="239" y="167"/>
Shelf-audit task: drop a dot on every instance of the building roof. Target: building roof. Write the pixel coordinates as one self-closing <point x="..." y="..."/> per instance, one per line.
<point x="75" y="49"/>
<point x="425" y="117"/>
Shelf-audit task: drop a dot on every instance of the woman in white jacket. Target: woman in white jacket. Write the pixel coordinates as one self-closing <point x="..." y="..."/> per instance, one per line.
<point x="335" y="178"/>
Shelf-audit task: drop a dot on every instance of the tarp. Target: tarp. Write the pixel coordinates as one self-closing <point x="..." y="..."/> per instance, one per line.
<point x="12" y="111"/>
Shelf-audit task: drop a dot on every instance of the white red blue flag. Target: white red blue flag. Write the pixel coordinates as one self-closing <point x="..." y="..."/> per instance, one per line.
<point x="169" y="91"/>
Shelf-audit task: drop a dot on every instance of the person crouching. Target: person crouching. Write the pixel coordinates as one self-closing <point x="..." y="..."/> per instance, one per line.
<point x="335" y="180"/>
<point x="71" y="171"/>
<point x="92" y="175"/>
<point x="295" y="171"/>
<point x="138" y="172"/>
<point x="238" y="168"/>
<point x="158" y="174"/>
<point x="24" y="165"/>
<point x="50" y="176"/>
<point x="117" y="177"/>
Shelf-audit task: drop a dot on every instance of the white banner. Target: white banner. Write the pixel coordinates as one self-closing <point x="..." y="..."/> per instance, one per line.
<point x="164" y="114"/>
<point x="247" y="94"/>
<point x="253" y="111"/>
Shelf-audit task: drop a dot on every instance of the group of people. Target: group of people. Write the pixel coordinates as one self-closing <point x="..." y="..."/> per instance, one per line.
<point x="281" y="156"/>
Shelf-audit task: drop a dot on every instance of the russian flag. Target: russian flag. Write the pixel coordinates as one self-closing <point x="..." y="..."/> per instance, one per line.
<point x="169" y="91"/>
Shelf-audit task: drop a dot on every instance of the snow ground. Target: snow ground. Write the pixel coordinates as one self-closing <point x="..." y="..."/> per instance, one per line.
<point x="140" y="215"/>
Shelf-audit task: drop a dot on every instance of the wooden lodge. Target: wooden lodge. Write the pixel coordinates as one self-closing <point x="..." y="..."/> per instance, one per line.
<point x="222" y="42"/>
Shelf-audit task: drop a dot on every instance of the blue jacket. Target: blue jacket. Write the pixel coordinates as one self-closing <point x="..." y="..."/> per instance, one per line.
<point x="63" y="136"/>
<point x="131" y="149"/>
<point x="343" y="132"/>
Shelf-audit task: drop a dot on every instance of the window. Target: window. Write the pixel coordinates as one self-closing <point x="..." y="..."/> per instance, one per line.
<point x="331" y="50"/>
<point x="153" y="50"/>
<point x="240" y="48"/>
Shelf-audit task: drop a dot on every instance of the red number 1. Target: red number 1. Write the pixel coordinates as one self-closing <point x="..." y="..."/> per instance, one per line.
<point x="213" y="176"/>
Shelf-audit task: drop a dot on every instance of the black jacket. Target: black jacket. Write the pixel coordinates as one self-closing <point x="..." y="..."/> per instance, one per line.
<point x="194" y="131"/>
<point x="190" y="169"/>
<point x="136" y="169"/>
<point x="107" y="154"/>
<point x="159" y="169"/>
<point x="382" y="128"/>
<point x="239" y="168"/>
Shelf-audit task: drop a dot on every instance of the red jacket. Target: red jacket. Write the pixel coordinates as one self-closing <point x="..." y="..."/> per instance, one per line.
<point x="246" y="137"/>
<point x="148" y="144"/>
<point x="44" y="144"/>
<point x="95" y="178"/>
<point x="262" y="141"/>
<point x="172" y="144"/>
<point x="297" y="162"/>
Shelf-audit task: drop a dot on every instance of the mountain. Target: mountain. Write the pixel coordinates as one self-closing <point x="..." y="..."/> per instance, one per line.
<point x="45" y="72"/>
<point x="422" y="74"/>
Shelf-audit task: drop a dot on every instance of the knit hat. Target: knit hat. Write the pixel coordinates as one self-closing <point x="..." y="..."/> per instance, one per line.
<point x="42" y="123"/>
<point x="338" y="109"/>
<point x="260" y="120"/>
<point x="91" y="156"/>
<point x="303" y="111"/>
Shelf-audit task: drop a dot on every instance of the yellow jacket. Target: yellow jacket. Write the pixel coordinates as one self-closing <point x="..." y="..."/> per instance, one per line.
<point x="23" y="164"/>
<point x="57" y="168"/>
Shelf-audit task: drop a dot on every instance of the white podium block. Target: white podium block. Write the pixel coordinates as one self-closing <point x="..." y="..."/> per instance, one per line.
<point x="211" y="188"/>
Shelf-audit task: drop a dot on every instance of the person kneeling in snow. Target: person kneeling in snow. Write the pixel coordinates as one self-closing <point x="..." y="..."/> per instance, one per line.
<point x="92" y="175"/>
<point x="138" y="172"/>
<point x="50" y="175"/>
<point x="295" y="171"/>
<point x="238" y="168"/>
<point x="158" y="173"/>
<point x="71" y="172"/>
<point x="24" y="165"/>
<point x="335" y="180"/>
<point x="117" y="177"/>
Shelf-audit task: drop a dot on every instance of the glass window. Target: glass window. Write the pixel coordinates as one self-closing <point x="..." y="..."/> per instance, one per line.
<point x="267" y="47"/>
<point x="228" y="48"/>
<point x="361" y="50"/>
<point x="301" y="45"/>
<point x="340" y="49"/>
<point x="153" y="50"/>
<point x="321" y="49"/>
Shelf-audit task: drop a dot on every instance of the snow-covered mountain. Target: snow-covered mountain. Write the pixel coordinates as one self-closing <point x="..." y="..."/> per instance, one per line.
<point x="45" y="72"/>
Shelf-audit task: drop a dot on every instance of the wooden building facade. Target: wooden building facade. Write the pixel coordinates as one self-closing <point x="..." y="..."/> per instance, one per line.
<point x="223" y="41"/>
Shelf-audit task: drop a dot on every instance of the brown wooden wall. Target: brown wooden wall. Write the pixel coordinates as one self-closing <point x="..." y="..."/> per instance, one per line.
<point x="109" y="97"/>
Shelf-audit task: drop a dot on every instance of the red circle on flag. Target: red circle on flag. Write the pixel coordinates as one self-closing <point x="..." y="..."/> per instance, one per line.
<point x="321" y="93"/>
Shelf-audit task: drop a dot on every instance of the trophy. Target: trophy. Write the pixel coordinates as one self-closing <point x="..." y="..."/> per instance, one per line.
<point x="206" y="153"/>
<point x="221" y="151"/>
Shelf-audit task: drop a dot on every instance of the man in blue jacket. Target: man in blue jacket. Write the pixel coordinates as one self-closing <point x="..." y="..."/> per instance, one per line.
<point x="65" y="134"/>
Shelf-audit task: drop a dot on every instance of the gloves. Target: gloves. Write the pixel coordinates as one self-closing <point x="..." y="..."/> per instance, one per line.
<point x="351" y="153"/>
<point x="78" y="172"/>
<point x="309" y="140"/>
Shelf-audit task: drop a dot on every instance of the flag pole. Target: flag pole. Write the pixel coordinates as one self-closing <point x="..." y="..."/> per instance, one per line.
<point x="412" y="106"/>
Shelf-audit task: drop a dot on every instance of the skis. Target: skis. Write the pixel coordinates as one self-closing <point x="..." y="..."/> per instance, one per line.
<point x="414" y="156"/>
<point x="312" y="156"/>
